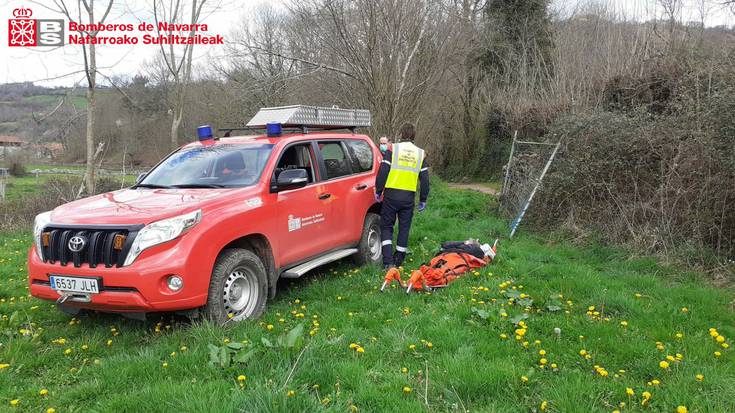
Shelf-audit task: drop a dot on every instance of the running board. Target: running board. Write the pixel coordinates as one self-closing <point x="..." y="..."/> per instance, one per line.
<point x="298" y="271"/>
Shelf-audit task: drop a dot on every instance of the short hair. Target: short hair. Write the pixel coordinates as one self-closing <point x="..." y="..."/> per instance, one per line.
<point x="407" y="132"/>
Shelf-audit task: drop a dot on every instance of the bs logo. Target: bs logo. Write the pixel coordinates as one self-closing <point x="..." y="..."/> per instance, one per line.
<point x="24" y="31"/>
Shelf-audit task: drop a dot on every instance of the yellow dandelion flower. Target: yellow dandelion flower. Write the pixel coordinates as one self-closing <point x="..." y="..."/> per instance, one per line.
<point x="360" y="350"/>
<point x="14" y="402"/>
<point x="241" y="378"/>
<point x="679" y="335"/>
<point x="50" y="410"/>
<point x="699" y="377"/>
<point x="663" y="364"/>
<point x="543" y="362"/>
<point x="43" y="392"/>
<point x="524" y="379"/>
<point x="406" y="389"/>
<point x="290" y="393"/>
<point x="404" y="370"/>
<point x="544" y="405"/>
<point x="542" y="352"/>
<point x="684" y="310"/>
<point x="717" y="354"/>
<point x="682" y="409"/>
<point x="720" y="339"/>
<point x="629" y="391"/>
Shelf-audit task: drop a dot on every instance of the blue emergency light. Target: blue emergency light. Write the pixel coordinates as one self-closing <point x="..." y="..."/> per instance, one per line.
<point x="273" y="129"/>
<point x="204" y="132"/>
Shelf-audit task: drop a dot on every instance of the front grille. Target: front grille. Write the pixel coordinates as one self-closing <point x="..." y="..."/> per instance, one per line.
<point x="100" y="245"/>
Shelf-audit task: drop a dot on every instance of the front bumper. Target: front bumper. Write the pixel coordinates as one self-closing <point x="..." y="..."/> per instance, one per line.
<point x="140" y="287"/>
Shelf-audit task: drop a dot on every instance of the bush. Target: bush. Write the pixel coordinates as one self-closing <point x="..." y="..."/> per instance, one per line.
<point x="18" y="214"/>
<point x="16" y="165"/>
<point x="656" y="181"/>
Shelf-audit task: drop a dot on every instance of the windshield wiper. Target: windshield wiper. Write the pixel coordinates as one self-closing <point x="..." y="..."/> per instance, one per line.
<point x="154" y="186"/>
<point x="188" y="186"/>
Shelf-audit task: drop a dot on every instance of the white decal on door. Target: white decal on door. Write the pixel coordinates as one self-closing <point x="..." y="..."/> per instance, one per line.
<point x="295" y="223"/>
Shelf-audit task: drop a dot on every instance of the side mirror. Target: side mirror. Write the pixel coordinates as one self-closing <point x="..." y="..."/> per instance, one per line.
<point x="292" y="179"/>
<point x="140" y="177"/>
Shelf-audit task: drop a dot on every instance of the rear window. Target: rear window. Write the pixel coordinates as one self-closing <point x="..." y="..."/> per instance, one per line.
<point x="335" y="161"/>
<point x="361" y="154"/>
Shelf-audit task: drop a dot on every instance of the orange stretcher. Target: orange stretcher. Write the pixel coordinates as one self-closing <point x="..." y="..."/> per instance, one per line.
<point x="444" y="268"/>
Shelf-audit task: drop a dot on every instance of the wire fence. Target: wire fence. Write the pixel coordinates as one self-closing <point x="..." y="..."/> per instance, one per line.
<point x="527" y="165"/>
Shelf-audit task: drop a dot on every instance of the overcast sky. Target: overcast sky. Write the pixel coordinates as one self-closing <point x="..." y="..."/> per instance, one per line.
<point x="51" y="66"/>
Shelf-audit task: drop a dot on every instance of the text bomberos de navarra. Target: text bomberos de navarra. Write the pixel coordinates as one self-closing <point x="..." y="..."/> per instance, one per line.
<point x="165" y="33"/>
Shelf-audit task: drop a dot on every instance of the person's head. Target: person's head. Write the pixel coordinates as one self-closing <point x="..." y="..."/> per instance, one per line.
<point x="384" y="144"/>
<point x="407" y="133"/>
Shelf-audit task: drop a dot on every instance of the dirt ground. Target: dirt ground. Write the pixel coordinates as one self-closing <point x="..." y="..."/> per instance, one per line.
<point x="475" y="187"/>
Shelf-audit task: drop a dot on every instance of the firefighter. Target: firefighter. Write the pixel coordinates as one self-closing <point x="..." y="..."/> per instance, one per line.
<point x="403" y="167"/>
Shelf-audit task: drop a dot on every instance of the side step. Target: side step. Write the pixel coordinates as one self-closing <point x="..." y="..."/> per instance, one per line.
<point x="298" y="271"/>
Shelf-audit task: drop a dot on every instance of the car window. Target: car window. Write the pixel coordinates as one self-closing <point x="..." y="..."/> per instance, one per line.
<point x="335" y="161"/>
<point x="361" y="154"/>
<point x="222" y="165"/>
<point x="297" y="157"/>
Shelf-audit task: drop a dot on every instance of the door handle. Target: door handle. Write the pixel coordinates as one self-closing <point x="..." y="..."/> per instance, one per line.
<point x="361" y="187"/>
<point x="324" y="196"/>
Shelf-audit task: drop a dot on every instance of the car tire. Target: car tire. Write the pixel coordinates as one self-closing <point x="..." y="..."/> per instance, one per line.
<point x="369" y="251"/>
<point x="238" y="289"/>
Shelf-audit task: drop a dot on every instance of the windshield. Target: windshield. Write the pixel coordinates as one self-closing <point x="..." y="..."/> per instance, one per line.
<point x="214" y="166"/>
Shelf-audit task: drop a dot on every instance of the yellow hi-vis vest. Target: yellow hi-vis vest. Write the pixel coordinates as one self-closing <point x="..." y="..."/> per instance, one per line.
<point x="405" y="166"/>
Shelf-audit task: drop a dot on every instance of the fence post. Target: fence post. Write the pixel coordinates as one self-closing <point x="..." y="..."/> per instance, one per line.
<point x="517" y="221"/>
<point x="507" y="167"/>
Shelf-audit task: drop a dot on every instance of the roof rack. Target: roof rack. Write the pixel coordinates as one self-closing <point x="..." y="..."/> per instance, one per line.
<point x="311" y="117"/>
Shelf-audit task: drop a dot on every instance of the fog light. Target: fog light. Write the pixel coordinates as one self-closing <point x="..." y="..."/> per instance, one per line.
<point x="175" y="283"/>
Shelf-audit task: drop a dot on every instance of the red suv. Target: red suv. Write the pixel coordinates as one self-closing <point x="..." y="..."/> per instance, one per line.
<point x="213" y="226"/>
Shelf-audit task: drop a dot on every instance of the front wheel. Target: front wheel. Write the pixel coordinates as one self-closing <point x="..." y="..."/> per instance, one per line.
<point x="369" y="251"/>
<point x="238" y="288"/>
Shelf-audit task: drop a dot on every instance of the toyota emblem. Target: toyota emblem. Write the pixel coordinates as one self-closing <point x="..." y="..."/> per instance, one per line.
<point x="77" y="244"/>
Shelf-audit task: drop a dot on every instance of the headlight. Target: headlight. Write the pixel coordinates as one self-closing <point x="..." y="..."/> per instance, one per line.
<point x="39" y="223"/>
<point x="161" y="231"/>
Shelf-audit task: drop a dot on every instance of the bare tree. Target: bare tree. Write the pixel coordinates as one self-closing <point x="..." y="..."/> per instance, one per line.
<point x="86" y="9"/>
<point x="380" y="54"/>
<point x="177" y="61"/>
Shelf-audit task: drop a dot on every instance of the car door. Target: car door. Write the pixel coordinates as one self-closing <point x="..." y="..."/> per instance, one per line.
<point x="361" y="184"/>
<point x="302" y="213"/>
<point x="341" y="183"/>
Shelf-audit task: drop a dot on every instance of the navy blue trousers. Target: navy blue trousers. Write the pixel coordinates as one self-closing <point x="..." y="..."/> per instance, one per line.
<point x="392" y="210"/>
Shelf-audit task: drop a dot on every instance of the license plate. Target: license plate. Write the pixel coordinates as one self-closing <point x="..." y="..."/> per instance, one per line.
<point x="75" y="284"/>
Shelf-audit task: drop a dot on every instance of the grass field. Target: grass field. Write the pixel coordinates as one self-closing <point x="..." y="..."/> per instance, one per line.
<point x="18" y="187"/>
<point x="454" y="350"/>
<point x="79" y="101"/>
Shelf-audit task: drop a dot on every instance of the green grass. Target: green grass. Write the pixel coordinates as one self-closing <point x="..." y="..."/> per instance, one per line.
<point x="469" y="366"/>
<point x="19" y="187"/>
<point x="79" y="101"/>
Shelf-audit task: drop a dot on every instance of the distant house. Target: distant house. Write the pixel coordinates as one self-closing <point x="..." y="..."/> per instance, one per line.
<point x="10" y="144"/>
<point x="48" y="150"/>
